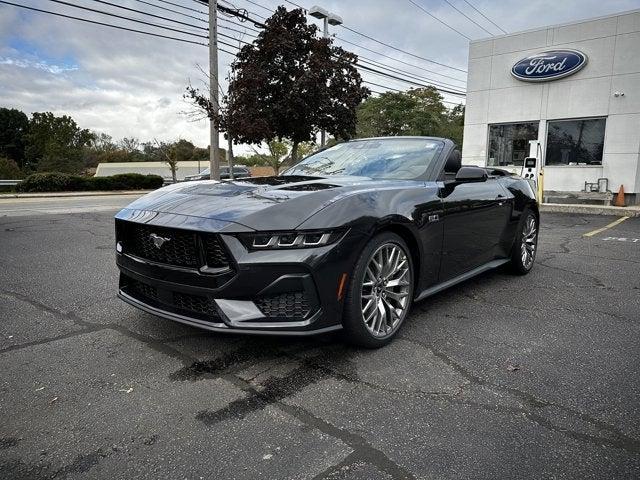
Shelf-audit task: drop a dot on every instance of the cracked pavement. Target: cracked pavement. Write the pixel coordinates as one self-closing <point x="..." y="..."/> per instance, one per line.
<point x="499" y="377"/>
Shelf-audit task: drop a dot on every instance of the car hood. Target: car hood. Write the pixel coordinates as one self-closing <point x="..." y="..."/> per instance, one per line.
<point x="259" y="203"/>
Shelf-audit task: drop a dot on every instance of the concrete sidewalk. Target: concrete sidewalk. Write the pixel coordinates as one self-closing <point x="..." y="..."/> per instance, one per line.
<point x="631" y="211"/>
<point x="73" y="194"/>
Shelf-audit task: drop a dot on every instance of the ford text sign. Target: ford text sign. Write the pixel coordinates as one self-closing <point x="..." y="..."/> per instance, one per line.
<point x="549" y="65"/>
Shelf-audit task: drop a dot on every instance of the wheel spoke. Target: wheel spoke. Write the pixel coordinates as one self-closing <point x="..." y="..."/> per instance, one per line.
<point x="397" y="295"/>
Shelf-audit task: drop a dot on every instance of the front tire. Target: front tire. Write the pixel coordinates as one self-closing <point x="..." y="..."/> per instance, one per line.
<point x="380" y="292"/>
<point x="525" y="245"/>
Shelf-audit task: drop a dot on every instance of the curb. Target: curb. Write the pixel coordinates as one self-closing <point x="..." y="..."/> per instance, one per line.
<point x="590" y="209"/>
<point x="74" y="194"/>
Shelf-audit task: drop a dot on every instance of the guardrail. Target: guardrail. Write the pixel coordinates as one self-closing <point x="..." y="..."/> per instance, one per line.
<point x="9" y="183"/>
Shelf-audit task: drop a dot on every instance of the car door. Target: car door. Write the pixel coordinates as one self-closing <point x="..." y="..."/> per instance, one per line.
<point x="475" y="215"/>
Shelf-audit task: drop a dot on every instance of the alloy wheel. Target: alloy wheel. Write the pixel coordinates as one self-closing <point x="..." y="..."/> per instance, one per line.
<point x="529" y="242"/>
<point x="386" y="289"/>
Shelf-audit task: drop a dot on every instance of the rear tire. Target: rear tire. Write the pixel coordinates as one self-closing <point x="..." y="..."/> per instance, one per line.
<point x="380" y="292"/>
<point x="525" y="245"/>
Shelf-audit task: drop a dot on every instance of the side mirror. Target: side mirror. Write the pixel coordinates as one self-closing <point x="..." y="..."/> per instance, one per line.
<point x="471" y="174"/>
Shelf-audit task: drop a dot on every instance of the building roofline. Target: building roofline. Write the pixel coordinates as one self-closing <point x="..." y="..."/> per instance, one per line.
<point x="566" y="24"/>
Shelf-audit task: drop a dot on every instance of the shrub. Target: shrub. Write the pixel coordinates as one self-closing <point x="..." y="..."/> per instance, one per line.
<point x="9" y="169"/>
<point x="62" y="182"/>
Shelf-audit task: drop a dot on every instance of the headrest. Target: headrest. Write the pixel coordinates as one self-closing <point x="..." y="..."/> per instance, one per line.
<point x="454" y="162"/>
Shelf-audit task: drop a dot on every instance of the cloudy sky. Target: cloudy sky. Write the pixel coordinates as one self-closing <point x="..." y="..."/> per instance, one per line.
<point x="127" y="84"/>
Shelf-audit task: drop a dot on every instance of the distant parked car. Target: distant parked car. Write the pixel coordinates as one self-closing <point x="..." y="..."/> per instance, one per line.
<point x="239" y="171"/>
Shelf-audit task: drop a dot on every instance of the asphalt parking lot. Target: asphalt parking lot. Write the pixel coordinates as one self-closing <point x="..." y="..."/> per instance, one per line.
<point x="500" y="377"/>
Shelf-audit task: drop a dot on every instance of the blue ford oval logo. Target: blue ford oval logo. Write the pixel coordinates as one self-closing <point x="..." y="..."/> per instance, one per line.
<point x="549" y="65"/>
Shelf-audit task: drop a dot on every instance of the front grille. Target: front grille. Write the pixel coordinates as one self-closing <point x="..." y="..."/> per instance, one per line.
<point x="198" y="306"/>
<point x="195" y="304"/>
<point x="215" y="254"/>
<point x="285" y="305"/>
<point x="172" y="246"/>
<point x="179" y="247"/>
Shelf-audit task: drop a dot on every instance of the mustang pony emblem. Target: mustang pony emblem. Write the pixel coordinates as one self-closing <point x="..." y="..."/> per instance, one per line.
<point x="158" y="241"/>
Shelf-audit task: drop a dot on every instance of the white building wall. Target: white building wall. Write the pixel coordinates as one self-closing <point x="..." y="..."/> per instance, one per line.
<point x="612" y="45"/>
<point x="151" y="168"/>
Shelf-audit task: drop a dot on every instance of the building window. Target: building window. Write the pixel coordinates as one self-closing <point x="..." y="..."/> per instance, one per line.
<point x="509" y="143"/>
<point x="575" y="142"/>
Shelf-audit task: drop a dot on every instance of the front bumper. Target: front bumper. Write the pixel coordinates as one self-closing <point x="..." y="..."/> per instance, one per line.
<point x="284" y="292"/>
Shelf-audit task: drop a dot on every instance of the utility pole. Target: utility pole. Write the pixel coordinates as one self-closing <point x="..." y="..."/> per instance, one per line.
<point x="327" y="18"/>
<point x="325" y="34"/>
<point x="214" y="137"/>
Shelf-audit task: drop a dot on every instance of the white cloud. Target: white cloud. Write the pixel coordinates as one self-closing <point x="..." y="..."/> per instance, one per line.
<point x="126" y="84"/>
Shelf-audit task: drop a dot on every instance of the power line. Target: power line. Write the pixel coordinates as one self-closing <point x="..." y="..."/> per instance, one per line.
<point x="467" y="17"/>
<point x="172" y="11"/>
<point x="102" y="12"/>
<point x="451" y="92"/>
<point x="259" y="5"/>
<point x="231" y="5"/>
<point x="246" y="27"/>
<point x="485" y="17"/>
<point x="375" y="63"/>
<point x="182" y="6"/>
<point x="376" y="52"/>
<point x="103" y="24"/>
<point x="378" y="41"/>
<point x="235" y="30"/>
<point x="371" y="70"/>
<point x="296" y="5"/>
<point x="436" y="18"/>
<point x="386" y="44"/>
<point x="237" y="13"/>
<point x="150" y="14"/>
<point x="401" y="50"/>
<point x="398" y="60"/>
<point x="231" y="37"/>
<point x="386" y="74"/>
<point x="401" y="91"/>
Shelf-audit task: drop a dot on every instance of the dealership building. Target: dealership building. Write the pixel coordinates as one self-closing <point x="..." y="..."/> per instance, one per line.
<point x="568" y="95"/>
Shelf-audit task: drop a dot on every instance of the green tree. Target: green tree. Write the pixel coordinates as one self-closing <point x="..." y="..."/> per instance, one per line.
<point x="14" y="124"/>
<point x="183" y="150"/>
<point x="100" y="150"/>
<point x="55" y="143"/>
<point x="280" y="154"/>
<point x="415" y="112"/>
<point x="455" y="124"/>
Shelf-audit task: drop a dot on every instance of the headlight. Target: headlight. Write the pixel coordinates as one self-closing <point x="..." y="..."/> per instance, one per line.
<point x="293" y="239"/>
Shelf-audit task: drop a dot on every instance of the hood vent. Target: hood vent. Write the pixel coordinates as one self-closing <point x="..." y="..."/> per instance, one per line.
<point x="308" y="187"/>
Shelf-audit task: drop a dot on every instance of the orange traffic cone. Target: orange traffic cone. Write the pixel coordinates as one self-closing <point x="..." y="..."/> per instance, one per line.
<point x="620" y="197"/>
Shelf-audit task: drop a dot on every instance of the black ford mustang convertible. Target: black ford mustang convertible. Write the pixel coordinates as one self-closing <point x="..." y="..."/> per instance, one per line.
<point x="346" y="239"/>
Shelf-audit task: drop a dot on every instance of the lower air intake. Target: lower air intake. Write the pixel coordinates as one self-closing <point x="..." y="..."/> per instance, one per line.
<point x="285" y="305"/>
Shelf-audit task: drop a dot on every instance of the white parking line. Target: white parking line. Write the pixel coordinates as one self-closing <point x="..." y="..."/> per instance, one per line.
<point x="622" y="239"/>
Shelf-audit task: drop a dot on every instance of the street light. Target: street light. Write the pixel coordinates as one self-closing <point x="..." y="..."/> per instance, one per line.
<point x="328" y="18"/>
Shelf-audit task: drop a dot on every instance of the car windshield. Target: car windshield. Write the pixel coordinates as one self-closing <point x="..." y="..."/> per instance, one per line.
<point x="389" y="158"/>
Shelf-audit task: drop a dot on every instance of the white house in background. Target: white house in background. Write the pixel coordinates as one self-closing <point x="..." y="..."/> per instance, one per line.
<point x="583" y="115"/>
<point x="153" y="168"/>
